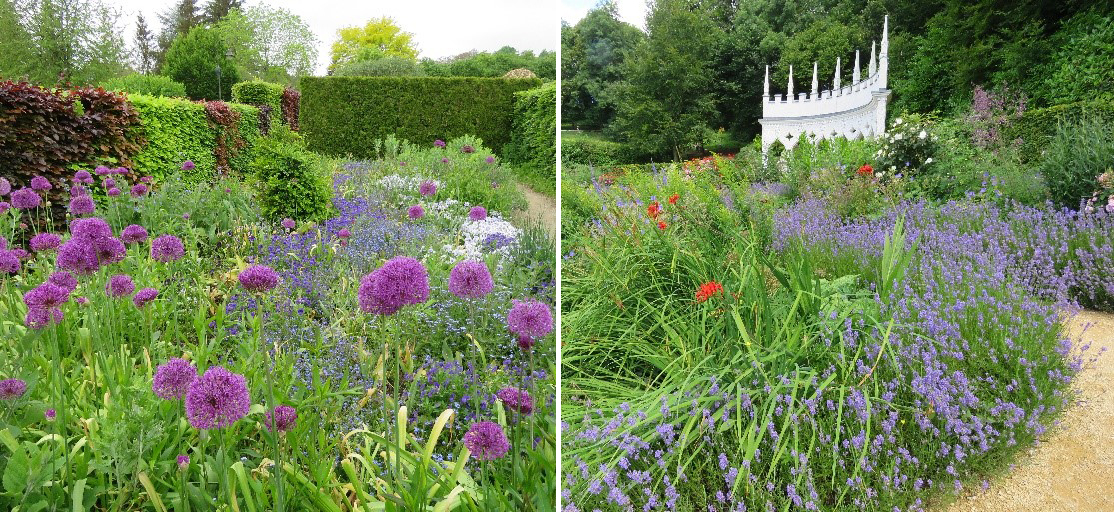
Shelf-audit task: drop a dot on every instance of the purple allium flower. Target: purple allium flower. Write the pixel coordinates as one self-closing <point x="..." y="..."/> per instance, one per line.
<point x="416" y="212"/>
<point x="401" y="281"/>
<point x="186" y="216"/>
<point x="525" y="342"/>
<point x="26" y="199"/>
<point x="470" y="279"/>
<point x="344" y="233"/>
<point x="101" y="170"/>
<point x="39" y="318"/>
<point x="82" y="176"/>
<point x="445" y="160"/>
<point x="144" y="297"/>
<point x="467" y="149"/>
<point x="40" y="183"/>
<point x="167" y="248"/>
<point x="259" y="278"/>
<point x="477" y="213"/>
<point x="45" y="242"/>
<point x="20" y="253"/>
<point x="82" y="205"/>
<point x="283" y="418"/>
<point x="530" y="318"/>
<point x="188" y="165"/>
<point x="78" y="190"/>
<point x="90" y="228"/>
<point x="79" y="256"/>
<point x="46" y="296"/>
<point x="173" y="378"/>
<point x="147" y="179"/>
<point x="516" y="400"/>
<point x="486" y="440"/>
<point x="113" y="192"/>
<point x="427" y="188"/>
<point x="9" y="262"/>
<point x="134" y="234"/>
<point x="10" y="389"/>
<point x="109" y="250"/>
<point x="63" y="280"/>
<point x="109" y="183"/>
<point x="119" y="285"/>
<point x="439" y="143"/>
<point x="81" y="300"/>
<point x="183" y="462"/>
<point x="139" y="190"/>
<point x="50" y="414"/>
<point x="3" y="243"/>
<point x="5" y="187"/>
<point x="5" y="206"/>
<point x="288" y="223"/>
<point x="490" y="159"/>
<point x="217" y="399"/>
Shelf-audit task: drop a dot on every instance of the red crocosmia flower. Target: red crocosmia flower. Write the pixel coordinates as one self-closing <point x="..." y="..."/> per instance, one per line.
<point x="673" y="198"/>
<point x="866" y="170"/>
<point x="708" y="290"/>
<point x="662" y="226"/>
<point x="653" y="210"/>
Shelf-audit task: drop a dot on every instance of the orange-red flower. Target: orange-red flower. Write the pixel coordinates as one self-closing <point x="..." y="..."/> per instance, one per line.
<point x="708" y="290"/>
<point x="866" y="170"/>
<point x="662" y="225"/>
<point x="673" y="198"/>
<point x="653" y="210"/>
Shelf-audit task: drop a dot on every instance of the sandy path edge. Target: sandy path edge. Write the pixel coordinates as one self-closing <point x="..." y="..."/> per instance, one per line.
<point x="540" y="207"/>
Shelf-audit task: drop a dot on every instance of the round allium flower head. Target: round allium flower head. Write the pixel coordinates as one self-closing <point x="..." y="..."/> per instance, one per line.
<point x="109" y="250"/>
<point x="78" y="190"/>
<point x="259" y="278"/>
<point x="109" y="182"/>
<point x="427" y="188"/>
<point x="120" y="285"/>
<point x="283" y="418"/>
<point x="101" y="170"/>
<point x="477" y="213"/>
<point x="167" y="248"/>
<point x="10" y="389"/>
<point x="188" y="165"/>
<point x="26" y="199"/>
<point x="217" y="399"/>
<point x="467" y="149"/>
<point x="401" y="281"/>
<point x="81" y="176"/>
<point x="486" y="440"/>
<point x="113" y="192"/>
<point x="50" y="414"/>
<point x="79" y="256"/>
<point x="183" y="462"/>
<point x="63" y="280"/>
<point x="470" y="279"/>
<point x="525" y="342"/>
<point x="90" y="228"/>
<point x="173" y="379"/>
<point x="82" y="205"/>
<point x="490" y="159"/>
<point x="45" y="242"/>
<point x="516" y="400"/>
<point x="139" y="190"/>
<point x="416" y="212"/>
<point x="40" y="318"/>
<point x="5" y="206"/>
<point x="186" y="216"/>
<point x="344" y="233"/>
<point x="288" y="223"/>
<point x="46" y="296"/>
<point x="120" y="170"/>
<point x="5" y="187"/>
<point x="445" y="160"/>
<point x="40" y="183"/>
<point x="134" y="234"/>
<point x="147" y="179"/>
<point x="439" y="143"/>
<point x="144" y="297"/>
<point x="530" y="318"/>
<point x="9" y="262"/>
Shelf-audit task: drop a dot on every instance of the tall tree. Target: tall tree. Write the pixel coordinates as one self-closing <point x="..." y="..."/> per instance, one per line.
<point x="193" y="59"/>
<point x="594" y="53"/>
<point x="145" y="49"/>
<point x="176" y="22"/>
<point x="216" y="10"/>
<point x="15" y="43"/>
<point x="269" y="43"/>
<point x="379" y="37"/>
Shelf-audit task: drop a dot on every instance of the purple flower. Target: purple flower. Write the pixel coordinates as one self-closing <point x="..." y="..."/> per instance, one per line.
<point x="490" y="159"/>
<point x="46" y="296"/>
<point x="39" y="318"/>
<point x="467" y="149"/>
<point x="82" y="176"/>
<point x="10" y="389"/>
<point x="445" y="160"/>
<point x="50" y="414"/>
<point x="5" y="187"/>
<point x="5" y="206"/>
<point x="63" y="280"/>
<point x="183" y="462"/>
<point x="82" y="205"/>
<point x="283" y="418"/>
<point x="144" y="297"/>
<point x="486" y="440"/>
<point x="470" y="279"/>
<point x="186" y="216"/>
<point x="525" y="342"/>
<point x="90" y="228"/>
<point x="119" y="285"/>
<point x="401" y="281"/>
<point x="217" y="399"/>
<point x="427" y="188"/>
<point x="45" y="242"/>
<point x="109" y="250"/>
<point x="101" y="170"/>
<point x="344" y="233"/>
<point x="439" y="143"/>
<point x="113" y="192"/>
<point x="40" y="183"/>
<point x="139" y="190"/>
<point x="416" y="212"/>
<point x="259" y="278"/>
<point x="26" y="199"/>
<point x="109" y="183"/>
<point x="79" y="256"/>
<point x="134" y="234"/>
<point x="173" y="378"/>
<point x="78" y="190"/>
<point x="188" y="165"/>
<point x="167" y="248"/>
<point x="288" y="223"/>
<point x="9" y="262"/>
<point x="530" y="318"/>
<point x="516" y="400"/>
<point x="146" y="179"/>
<point x="477" y="213"/>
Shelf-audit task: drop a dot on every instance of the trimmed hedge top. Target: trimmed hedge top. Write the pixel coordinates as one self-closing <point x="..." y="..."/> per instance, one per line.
<point x="1036" y="127"/>
<point x="345" y="115"/>
<point x="257" y="92"/>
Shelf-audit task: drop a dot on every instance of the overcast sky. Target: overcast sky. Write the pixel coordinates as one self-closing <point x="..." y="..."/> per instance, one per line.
<point x="441" y="28"/>
<point x="630" y="11"/>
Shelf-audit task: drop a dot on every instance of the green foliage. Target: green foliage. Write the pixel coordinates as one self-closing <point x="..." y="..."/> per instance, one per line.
<point x="493" y="64"/>
<point x="344" y="115"/>
<point x="269" y="43"/>
<point x="1080" y="67"/>
<point x="379" y="37"/>
<point x="1036" y="127"/>
<point x="823" y="41"/>
<point x="294" y="182"/>
<point x="908" y="148"/>
<point x="1080" y="151"/>
<point x="193" y="60"/>
<point x="150" y="85"/>
<point x="583" y="148"/>
<point x="390" y="65"/>
<point x="61" y="41"/>
<point x="533" y="145"/>
<point x="258" y="93"/>
<point x="593" y="63"/>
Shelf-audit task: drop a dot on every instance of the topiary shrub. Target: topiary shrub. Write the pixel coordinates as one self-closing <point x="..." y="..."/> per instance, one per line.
<point x="193" y="59"/>
<point x="151" y="85"/>
<point x="259" y="93"/>
<point x="293" y="181"/>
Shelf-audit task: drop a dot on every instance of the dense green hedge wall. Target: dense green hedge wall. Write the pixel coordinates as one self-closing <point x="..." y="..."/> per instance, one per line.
<point x="178" y="130"/>
<point x="584" y="149"/>
<point x="1036" y="127"/>
<point x="153" y="85"/>
<point x="345" y="115"/>
<point x="533" y="143"/>
<point x="257" y="92"/>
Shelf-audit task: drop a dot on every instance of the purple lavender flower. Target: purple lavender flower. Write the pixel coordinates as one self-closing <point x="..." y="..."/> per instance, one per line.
<point x="516" y="400"/>
<point x="113" y="192"/>
<point x="401" y="281"/>
<point x="26" y="199"/>
<point x="40" y="183"/>
<point x="427" y="188"/>
<point x="9" y="262"/>
<point x="120" y="285"/>
<point x="259" y="278"/>
<point x="139" y="190"/>
<point x="167" y="248"/>
<point x="530" y="318"/>
<point x="10" y="389"/>
<point x="470" y="279"/>
<point x="416" y="212"/>
<point x="288" y="223"/>
<point x="486" y="440"/>
<point x="217" y="399"/>
<point x="63" y="280"/>
<point x="134" y="234"/>
<point x="188" y="165"/>
<point x="283" y="418"/>
<point x="45" y="242"/>
<point x="5" y="187"/>
<point x="173" y="378"/>
<point x="477" y="213"/>
<point x="439" y="143"/>
<point x="144" y="297"/>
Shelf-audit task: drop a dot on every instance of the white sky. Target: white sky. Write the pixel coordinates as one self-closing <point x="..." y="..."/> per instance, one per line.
<point x="630" y="11"/>
<point x="441" y="28"/>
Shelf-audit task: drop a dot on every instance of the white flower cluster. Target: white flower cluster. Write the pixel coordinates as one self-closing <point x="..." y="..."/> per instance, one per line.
<point x="474" y="233"/>
<point x="404" y="183"/>
<point x="440" y="207"/>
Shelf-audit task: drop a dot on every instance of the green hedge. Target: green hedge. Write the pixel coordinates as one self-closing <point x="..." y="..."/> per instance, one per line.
<point x="345" y="115"/>
<point x="587" y="149"/>
<point x="153" y="85"/>
<point x="1036" y="127"/>
<point x="257" y="92"/>
<point x="533" y="145"/>
<point x="178" y="130"/>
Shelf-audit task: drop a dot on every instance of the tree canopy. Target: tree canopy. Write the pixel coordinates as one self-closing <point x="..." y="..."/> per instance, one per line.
<point x="194" y="60"/>
<point x="379" y="37"/>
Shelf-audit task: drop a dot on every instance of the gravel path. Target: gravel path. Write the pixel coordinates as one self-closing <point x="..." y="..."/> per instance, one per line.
<point x="541" y="207"/>
<point x="1073" y="468"/>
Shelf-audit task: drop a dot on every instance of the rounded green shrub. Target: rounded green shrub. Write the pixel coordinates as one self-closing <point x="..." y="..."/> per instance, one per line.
<point x="293" y="181"/>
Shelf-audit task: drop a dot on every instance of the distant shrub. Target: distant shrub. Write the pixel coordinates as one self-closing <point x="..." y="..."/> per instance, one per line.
<point x="908" y="148"/>
<point x="257" y="92"/>
<point x="1080" y="151"/>
<point x="584" y="149"/>
<point x="1035" y="128"/>
<point x="385" y="66"/>
<point x="151" y="85"/>
<point x="294" y="182"/>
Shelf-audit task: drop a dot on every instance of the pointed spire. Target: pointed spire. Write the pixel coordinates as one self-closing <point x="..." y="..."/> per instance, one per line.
<point x="766" y="85"/>
<point x="815" y="84"/>
<point x="885" y="51"/>
<point x="873" y="66"/>
<point x="855" y="75"/>
<point x="835" y="84"/>
<point x="790" y="95"/>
